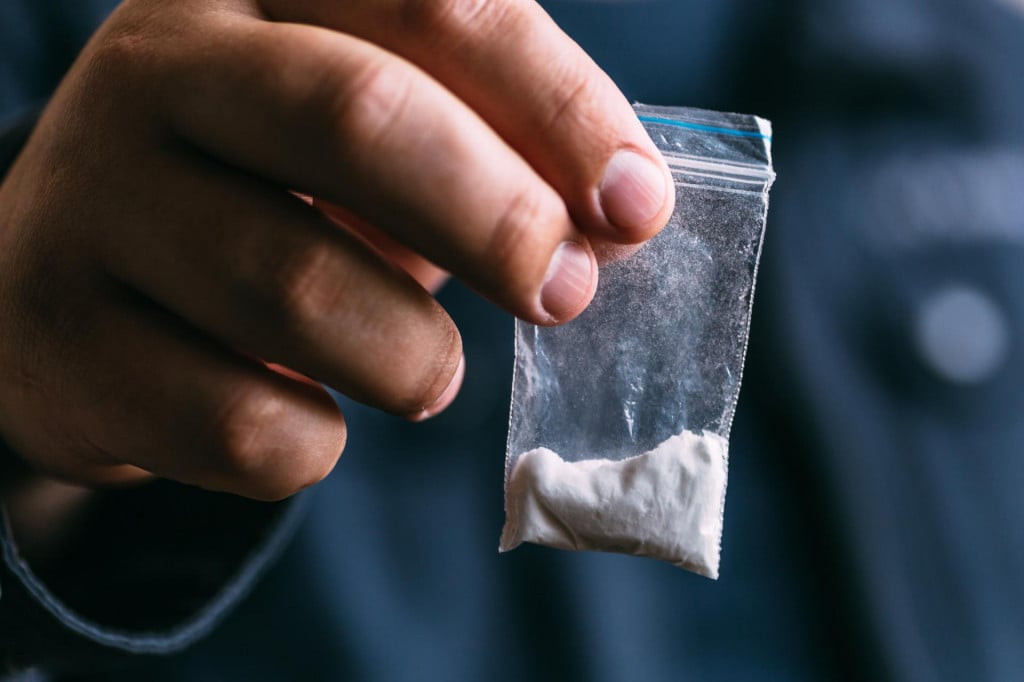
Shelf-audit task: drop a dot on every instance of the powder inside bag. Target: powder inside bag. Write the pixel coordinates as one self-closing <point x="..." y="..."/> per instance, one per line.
<point x="665" y="504"/>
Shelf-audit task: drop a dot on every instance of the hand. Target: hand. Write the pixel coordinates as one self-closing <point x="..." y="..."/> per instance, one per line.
<point x="166" y="293"/>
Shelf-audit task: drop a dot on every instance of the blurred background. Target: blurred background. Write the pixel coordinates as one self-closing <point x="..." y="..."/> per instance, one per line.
<point x="874" y="527"/>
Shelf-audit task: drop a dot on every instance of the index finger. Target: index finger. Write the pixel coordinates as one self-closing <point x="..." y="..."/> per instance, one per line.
<point x="535" y="87"/>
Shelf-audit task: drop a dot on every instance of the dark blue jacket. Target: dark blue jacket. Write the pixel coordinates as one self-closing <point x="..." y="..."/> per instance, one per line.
<point x="874" y="526"/>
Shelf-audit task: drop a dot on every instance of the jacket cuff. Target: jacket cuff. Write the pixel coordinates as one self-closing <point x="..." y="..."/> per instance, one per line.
<point x="152" y="570"/>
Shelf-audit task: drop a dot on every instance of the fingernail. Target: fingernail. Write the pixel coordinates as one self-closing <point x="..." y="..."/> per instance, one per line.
<point x="633" y="190"/>
<point x="445" y="398"/>
<point x="567" y="282"/>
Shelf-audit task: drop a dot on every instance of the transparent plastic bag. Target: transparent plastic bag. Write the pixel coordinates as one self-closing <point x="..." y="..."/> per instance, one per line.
<point x="618" y="437"/>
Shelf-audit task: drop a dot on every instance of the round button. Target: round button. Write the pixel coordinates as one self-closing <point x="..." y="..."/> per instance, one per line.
<point x="962" y="334"/>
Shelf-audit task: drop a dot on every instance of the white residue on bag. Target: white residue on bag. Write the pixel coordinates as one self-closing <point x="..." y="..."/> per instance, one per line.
<point x="666" y="503"/>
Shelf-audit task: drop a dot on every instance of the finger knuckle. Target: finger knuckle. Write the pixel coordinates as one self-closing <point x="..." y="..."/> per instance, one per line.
<point x="118" y="58"/>
<point x="303" y="288"/>
<point x="134" y="43"/>
<point x="448" y="18"/>
<point x="254" y="457"/>
<point x="240" y="432"/>
<point x="575" y="103"/>
<point x="370" y="104"/>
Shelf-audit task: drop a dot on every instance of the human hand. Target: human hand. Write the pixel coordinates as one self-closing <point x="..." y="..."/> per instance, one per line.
<point x="165" y="292"/>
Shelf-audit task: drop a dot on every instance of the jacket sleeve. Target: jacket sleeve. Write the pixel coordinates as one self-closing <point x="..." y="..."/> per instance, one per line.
<point x="148" y="571"/>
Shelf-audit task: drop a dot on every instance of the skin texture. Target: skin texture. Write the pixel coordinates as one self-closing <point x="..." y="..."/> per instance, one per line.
<point x="229" y="203"/>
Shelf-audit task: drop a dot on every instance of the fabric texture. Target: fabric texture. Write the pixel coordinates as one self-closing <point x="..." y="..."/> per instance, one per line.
<point x="151" y="571"/>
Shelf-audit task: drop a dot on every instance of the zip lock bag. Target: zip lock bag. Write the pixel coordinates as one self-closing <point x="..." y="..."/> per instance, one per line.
<point x="619" y="428"/>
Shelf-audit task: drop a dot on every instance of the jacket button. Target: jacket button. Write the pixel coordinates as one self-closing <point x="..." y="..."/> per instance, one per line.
<point x="961" y="334"/>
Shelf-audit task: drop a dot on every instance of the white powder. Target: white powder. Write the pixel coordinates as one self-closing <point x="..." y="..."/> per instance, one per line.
<point x="665" y="504"/>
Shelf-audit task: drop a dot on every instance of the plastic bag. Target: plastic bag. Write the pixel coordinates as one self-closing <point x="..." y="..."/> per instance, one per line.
<point x="618" y="437"/>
